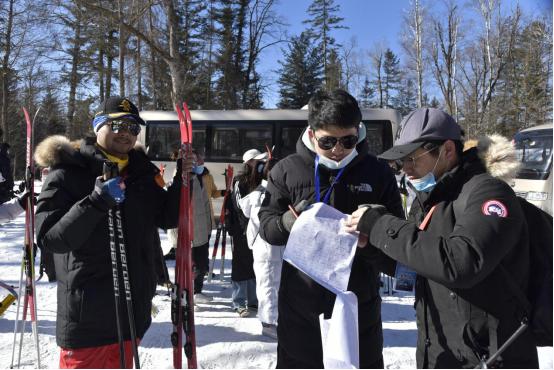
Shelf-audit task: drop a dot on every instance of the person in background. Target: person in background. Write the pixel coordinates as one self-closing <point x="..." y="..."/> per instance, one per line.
<point x="213" y="193"/>
<point x="472" y="248"/>
<point x="14" y="207"/>
<point x="242" y="275"/>
<point x="72" y="223"/>
<point x="202" y="223"/>
<point x="333" y="149"/>
<point x="268" y="259"/>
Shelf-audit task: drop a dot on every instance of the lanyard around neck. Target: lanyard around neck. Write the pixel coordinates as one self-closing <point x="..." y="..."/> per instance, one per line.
<point x="316" y="176"/>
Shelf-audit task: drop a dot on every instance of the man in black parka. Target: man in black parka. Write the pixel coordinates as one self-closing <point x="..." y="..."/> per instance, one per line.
<point x="473" y="247"/>
<point x="348" y="177"/>
<point x="72" y="222"/>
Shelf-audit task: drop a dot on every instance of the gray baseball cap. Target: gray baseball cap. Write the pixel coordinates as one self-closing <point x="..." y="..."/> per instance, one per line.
<point x="419" y="127"/>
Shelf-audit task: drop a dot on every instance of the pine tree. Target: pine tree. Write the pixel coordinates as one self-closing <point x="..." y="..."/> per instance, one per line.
<point x="367" y="95"/>
<point x="228" y="83"/>
<point x="391" y="77"/>
<point x="406" y="100"/>
<point x="435" y="103"/>
<point x="323" y="20"/>
<point x="301" y="73"/>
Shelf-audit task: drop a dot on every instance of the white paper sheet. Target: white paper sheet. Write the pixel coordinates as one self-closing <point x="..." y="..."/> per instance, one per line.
<point x="319" y="247"/>
<point x="340" y="334"/>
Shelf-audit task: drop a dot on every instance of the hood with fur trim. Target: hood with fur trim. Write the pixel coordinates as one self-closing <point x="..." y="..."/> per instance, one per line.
<point x="497" y="154"/>
<point x="54" y="150"/>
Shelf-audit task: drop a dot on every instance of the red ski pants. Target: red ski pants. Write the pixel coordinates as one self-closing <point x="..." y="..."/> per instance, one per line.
<point x="102" y="357"/>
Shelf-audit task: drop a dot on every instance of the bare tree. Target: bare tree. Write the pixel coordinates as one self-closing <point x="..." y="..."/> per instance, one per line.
<point x="443" y="52"/>
<point x="353" y="70"/>
<point x="412" y="44"/>
<point x="170" y="53"/>
<point x="498" y="44"/>
<point x="377" y="56"/>
<point x="264" y="31"/>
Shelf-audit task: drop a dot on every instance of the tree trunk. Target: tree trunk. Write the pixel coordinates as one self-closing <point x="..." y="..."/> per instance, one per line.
<point x="109" y="67"/>
<point x="139" y="76"/>
<point x="121" y="51"/>
<point x="419" y="52"/>
<point x="74" y="78"/>
<point x="6" y="72"/>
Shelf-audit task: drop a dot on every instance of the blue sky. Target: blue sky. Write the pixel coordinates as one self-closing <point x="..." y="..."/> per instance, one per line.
<point x="371" y="21"/>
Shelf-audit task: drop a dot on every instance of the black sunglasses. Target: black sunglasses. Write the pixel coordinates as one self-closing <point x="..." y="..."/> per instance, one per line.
<point x="329" y="142"/>
<point x="125" y="124"/>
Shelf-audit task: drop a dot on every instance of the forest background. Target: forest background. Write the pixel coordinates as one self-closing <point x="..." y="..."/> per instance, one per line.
<point x="486" y="62"/>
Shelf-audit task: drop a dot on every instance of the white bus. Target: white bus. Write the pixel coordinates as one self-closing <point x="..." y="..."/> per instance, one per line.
<point x="534" y="180"/>
<point x="223" y="136"/>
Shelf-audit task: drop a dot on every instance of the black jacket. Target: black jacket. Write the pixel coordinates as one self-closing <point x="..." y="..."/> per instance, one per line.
<point x="461" y="292"/>
<point x="242" y="262"/>
<point x="73" y="224"/>
<point x="301" y="300"/>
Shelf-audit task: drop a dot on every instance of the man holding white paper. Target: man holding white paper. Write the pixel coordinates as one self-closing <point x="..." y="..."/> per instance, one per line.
<point x="332" y="165"/>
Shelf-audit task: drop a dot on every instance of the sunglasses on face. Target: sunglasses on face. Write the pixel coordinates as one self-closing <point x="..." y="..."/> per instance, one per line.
<point x="118" y="125"/>
<point x="329" y="142"/>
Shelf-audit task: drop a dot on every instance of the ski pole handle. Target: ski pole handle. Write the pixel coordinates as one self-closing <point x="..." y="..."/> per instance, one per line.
<point x="109" y="170"/>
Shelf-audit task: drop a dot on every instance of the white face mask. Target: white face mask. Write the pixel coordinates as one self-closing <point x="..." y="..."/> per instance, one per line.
<point x="333" y="165"/>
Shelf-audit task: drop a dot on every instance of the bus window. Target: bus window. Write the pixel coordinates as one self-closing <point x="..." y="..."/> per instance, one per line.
<point x="289" y="137"/>
<point x="377" y="140"/>
<point x="230" y="143"/>
<point x="199" y="140"/>
<point x="534" y="150"/>
<point x="225" y="143"/>
<point x="162" y="140"/>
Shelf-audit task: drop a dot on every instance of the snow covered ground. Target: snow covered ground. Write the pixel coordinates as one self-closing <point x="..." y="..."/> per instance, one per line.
<point x="223" y="339"/>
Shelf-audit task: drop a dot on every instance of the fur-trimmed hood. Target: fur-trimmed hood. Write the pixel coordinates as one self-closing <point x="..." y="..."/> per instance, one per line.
<point x="497" y="154"/>
<point x="54" y="150"/>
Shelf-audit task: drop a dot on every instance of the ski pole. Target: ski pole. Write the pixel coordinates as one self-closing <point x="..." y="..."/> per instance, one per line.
<point x="110" y="170"/>
<point x="214" y="252"/>
<point x="486" y="362"/>
<point x="122" y="251"/>
<point x="16" y="325"/>
<point x="127" y="284"/>
<point x="223" y="245"/>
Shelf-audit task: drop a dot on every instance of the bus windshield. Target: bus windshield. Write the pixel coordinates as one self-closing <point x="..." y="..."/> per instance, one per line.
<point x="534" y="150"/>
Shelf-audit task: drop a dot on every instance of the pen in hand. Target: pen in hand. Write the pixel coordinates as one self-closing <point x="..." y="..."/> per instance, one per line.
<point x="293" y="211"/>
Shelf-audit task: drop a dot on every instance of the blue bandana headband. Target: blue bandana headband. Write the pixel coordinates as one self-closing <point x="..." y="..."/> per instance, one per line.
<point x="98" y="122"/>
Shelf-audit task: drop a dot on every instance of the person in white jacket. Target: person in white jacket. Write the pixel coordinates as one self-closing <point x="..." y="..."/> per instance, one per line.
<point x="268" y="258"/>
<point x="13" y="208"/>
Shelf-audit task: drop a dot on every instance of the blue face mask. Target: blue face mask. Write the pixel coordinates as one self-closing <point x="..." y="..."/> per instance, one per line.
<point x="198" y="169"/>
<point x="425" y="183"/>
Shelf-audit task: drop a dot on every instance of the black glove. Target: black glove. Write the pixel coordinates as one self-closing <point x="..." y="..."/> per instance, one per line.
<point x="23" y="199"/>
<point x="288" y="218"/>
<point x="370" y="217"/>
<point x="179" y="166"/>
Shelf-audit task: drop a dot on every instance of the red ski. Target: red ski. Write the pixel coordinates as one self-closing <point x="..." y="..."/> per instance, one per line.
<point x="182" y="297"/>
<point x="221" y="225"/>
<point x="28" y="260"/>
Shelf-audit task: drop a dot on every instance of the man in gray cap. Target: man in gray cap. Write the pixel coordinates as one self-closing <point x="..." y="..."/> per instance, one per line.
<point x="466" y="239"/>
